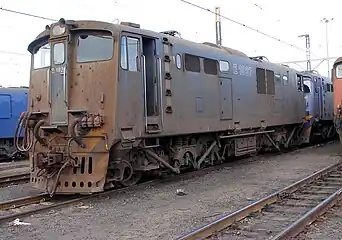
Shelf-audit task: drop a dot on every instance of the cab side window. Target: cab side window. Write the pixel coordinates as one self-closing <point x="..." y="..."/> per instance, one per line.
<point x="129" y="53"/>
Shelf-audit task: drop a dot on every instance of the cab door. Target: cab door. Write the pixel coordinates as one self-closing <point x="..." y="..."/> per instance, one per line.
<point x="140" y="81"/>
<point x="152" y="79"/>
<point x="58" y="83"/>
<point x="130" y="85"/>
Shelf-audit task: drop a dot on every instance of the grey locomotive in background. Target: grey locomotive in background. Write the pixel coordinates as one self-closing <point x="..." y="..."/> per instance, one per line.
<point x="127" y="101"/>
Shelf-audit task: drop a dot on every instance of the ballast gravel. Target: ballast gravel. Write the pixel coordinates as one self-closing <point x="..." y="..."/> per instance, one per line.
<point x="158" y="212"/>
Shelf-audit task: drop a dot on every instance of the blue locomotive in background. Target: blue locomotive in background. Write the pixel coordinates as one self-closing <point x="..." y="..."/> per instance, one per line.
<point x="13" y="101"/>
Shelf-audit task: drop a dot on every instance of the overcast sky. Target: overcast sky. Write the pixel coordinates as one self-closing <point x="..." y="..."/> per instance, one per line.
<point x="282" y="19"/>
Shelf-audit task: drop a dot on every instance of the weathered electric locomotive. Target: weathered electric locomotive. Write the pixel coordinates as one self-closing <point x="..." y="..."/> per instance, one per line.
<point x="337" y="83"/>
<point x="109" y="103"/>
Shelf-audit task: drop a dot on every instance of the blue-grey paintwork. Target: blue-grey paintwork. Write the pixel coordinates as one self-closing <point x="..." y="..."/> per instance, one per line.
<point x="244" y="108"/>
<point x="13" y="101"/>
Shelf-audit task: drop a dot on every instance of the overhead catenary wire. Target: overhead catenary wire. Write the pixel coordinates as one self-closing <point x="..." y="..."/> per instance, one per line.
<point x="187" y="2"/>
<point x="261" y="8"/>
<point x="23" y="14"/>
<point x="26" y="14"/>
<point x="192" y="4"/>
<point x="14" y="53"/>
<point x="246" y="26"/>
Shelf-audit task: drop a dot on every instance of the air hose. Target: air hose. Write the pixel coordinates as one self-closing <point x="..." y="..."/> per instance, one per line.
<point x="74" y="137"/>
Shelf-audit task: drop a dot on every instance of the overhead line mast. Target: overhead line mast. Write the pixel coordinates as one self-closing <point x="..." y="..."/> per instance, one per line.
<point x="307" y="44"/>
<point x="218" y="26"/>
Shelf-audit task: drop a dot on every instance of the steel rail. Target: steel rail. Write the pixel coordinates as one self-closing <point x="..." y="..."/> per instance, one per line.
<point x="19" y="202"/>
<point x="4" y="167"/>
<point x="214" y="227"/>
<point x="39" y="209"/>
<point x="14" y="178"/>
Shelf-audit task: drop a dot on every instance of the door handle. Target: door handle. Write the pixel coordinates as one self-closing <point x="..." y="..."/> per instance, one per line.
<point x="48" y="85"/>
<point x="65" y="85"/>
<point x="145" y="87"/>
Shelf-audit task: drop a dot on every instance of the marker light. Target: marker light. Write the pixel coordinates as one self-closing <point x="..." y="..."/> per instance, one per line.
<point x="58" y="30"/>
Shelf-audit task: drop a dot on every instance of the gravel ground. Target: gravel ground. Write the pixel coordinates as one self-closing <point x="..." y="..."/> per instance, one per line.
<point x="158" y="213"/>
<point x="16" y="190"/>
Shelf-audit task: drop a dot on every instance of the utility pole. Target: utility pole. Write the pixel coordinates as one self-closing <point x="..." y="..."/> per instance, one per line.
<point x="326" y="21"/>
<point x="218" y="26"/>
<point x="307" y="44"/>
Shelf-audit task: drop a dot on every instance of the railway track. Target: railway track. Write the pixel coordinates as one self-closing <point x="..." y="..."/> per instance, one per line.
<point x="15" y="178"/>
<point x="33" y="204"/>
<point x="26" y="206"/>
<point x="281" y="215"/>
<point x="13" y="165"/>
<point x="15" y="173"/>
<point x="20" y="202"/>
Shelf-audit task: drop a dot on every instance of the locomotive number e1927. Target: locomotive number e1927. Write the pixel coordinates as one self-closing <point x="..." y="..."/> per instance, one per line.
<point x="242" y="70"/>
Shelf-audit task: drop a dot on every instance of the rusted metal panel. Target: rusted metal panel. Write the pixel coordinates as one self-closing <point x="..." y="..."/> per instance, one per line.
<point x="82" y="86"/>
<point x="88" y="177"/>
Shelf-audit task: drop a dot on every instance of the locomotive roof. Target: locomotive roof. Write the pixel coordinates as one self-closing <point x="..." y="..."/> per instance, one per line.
<point x="13" y="90"/>
<point x="205" y="45"/>
<point x="339" y="60"/>
<point x="129" y="27"/>
<point x="121" y="27"/>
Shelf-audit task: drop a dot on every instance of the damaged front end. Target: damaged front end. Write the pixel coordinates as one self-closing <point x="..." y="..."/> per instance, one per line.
<point x="65" y="160"/>
<point x="67" y="143"/>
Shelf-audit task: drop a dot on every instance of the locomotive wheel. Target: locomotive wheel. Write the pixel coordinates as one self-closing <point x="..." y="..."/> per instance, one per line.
<point x="325" y="131"/>
<point x="254" y="154"/>
<point x="134" y="179"/>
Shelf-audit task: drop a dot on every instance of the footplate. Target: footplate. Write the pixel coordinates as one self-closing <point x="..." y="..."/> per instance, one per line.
<point x="89" y="177"/>
<point x="85" y="172"/>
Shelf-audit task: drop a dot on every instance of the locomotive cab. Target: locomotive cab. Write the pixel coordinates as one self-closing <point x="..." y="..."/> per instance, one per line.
<point x="72" y="85"/>
<point x="80" y="71"/>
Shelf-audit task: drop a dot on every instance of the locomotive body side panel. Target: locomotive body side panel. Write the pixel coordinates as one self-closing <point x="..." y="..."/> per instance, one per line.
<point x="195" y="96"/>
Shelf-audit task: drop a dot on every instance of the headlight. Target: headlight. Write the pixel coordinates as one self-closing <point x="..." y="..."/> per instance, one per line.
<point x="339" y="71"/>
<point x="58" y="30"/>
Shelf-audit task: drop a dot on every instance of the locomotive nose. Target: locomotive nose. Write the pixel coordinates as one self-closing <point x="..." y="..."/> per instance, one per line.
<point x="337" y="95"/>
